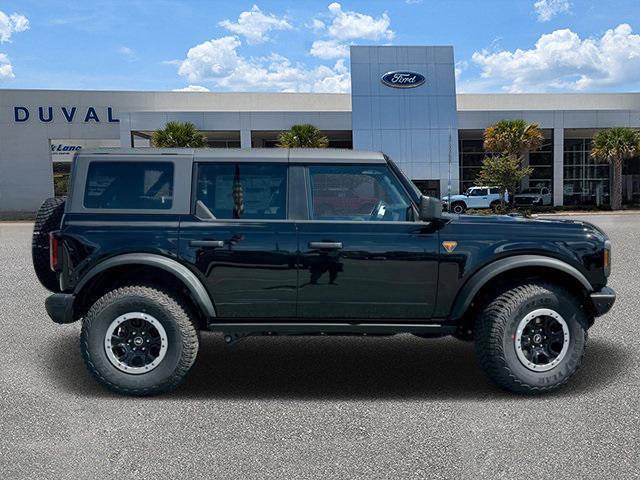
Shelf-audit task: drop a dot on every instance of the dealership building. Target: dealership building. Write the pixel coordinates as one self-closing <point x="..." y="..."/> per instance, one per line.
<point x="414" y="115"/>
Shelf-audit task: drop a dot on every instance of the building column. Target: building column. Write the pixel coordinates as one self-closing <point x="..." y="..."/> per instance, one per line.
<point x="558" y="166"/>
<point x="125" y="131"/>
<point x="245" y="138"/>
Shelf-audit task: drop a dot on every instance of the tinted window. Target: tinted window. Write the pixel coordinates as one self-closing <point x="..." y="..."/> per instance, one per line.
<point x="478" y="192"/>
<point x="357" y="192"/>
<point x="129" y="185"/>
<point x="495" y="191"/>
<point x="243" y="190"/>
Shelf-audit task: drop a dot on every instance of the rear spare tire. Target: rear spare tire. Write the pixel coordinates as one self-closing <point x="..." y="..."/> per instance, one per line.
<point x="47" y="220"/>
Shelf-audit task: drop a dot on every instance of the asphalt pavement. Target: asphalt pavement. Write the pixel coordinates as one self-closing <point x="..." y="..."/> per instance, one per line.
<point x="316" y="407"/>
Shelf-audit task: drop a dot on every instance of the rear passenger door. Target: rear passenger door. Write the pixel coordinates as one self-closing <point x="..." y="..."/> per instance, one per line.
<point x="239" y="238"/>
<point x="362" y="254"/>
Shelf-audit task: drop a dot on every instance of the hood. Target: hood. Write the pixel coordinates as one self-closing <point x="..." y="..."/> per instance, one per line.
<point x="518" y="220"/>
<point x="445" y="198"/>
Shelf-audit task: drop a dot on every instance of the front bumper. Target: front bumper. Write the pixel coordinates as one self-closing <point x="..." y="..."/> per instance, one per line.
<point x="59" y="306"/>
<point x="603" y="300"/>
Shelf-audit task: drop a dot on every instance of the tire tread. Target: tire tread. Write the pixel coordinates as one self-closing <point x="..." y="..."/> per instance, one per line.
<point x="180" y="313"/>
<point x="490" y="330"/>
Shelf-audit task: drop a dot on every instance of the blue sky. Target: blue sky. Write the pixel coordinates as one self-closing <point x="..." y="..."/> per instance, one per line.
<point x="500" y="46"/>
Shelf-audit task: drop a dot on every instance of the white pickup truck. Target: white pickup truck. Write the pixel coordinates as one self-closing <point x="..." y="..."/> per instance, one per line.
<point x="474" y="197"/>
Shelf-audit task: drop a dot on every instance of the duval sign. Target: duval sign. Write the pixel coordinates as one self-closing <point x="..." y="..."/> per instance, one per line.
<point x="68" y="114"/>
<point x="403" y="79"/>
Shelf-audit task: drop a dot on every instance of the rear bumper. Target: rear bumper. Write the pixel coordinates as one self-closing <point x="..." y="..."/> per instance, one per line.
<point x="59" y="306"/>
<point x="603" y="300"/>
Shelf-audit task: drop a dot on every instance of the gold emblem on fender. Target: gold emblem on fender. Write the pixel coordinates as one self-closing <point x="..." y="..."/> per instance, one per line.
<point x="449" y="245"/>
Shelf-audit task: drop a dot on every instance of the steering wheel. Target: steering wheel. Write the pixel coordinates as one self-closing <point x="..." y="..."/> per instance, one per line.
<point x="375" y="213"/>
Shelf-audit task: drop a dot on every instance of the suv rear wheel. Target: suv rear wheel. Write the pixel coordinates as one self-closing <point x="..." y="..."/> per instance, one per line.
<point x="139" y="340"/>
<point x="530" y="339"/>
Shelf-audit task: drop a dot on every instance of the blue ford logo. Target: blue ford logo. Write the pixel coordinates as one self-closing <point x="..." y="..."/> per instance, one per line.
<point x="401" y="79"/>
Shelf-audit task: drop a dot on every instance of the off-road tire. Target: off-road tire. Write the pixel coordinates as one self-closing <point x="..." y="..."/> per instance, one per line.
<point x="174" y="316"/>
<point x="496" y="207"/>
<point x="48" y="219"/>
<point x="458" y="206"/>
<point x="496" y="329"/>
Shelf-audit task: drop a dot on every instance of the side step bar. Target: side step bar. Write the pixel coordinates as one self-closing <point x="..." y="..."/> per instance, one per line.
<point x="234" y="331"/>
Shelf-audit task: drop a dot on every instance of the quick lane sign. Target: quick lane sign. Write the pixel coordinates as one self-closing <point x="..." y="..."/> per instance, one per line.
<point x="69" y="114"/>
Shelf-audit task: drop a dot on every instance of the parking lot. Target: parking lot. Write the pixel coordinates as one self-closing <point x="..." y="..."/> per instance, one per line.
<point x="344" y="407"/>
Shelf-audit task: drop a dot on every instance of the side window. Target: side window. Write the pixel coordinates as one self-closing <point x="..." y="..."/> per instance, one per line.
<point x="478" y="192"/>
<point x="357" y="192"/>
<point x="129" y="185"/>
<point x="495" y="191"/>
<point x="243" y="190"/>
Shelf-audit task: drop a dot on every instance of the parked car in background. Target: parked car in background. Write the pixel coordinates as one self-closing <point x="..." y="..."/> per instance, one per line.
<point x="536" y="196"/>
<point x="474" y="197"/>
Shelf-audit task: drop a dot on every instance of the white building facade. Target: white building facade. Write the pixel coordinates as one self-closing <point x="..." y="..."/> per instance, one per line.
<point x="403" y="102"/>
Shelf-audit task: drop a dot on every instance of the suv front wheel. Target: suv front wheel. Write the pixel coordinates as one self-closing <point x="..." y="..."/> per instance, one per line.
<point x="531" y="339"/>
<point x="458" y="207"/>
<point x="139" y="340"/>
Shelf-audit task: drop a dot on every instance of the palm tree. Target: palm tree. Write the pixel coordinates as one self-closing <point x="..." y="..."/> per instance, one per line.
<point x="178" y="134"/>
<point x="303" y="136"/>
<point x="614" y="146"/>
<point x="513" y="138"/>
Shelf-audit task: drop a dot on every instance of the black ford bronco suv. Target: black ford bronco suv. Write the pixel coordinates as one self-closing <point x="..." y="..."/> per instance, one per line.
<point x="153" y="246"/>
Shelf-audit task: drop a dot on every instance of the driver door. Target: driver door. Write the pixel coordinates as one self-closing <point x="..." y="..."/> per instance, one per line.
<point x="362" y="254"/>
<point x="478" y="198"/>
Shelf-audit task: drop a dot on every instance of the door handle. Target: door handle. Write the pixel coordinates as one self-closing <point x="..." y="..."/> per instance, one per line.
<point x="325" y="245"/>
<point x="207" y="243"/>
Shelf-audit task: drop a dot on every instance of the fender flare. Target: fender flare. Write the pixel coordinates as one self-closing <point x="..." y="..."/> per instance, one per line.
<point x="182" y="273"/>
<point x="467" y="293"/>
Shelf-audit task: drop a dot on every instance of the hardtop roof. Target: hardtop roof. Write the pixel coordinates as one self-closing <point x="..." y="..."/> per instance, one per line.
<point x="303" y="155"/>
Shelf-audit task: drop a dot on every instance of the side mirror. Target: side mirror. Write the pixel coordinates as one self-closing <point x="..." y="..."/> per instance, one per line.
<point x="430" y="208"/>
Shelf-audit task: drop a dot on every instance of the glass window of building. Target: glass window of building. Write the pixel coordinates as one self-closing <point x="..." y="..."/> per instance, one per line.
<point x="542" y="163"/>
<point x="586" y="180"/>
<point x="472" y="154"/>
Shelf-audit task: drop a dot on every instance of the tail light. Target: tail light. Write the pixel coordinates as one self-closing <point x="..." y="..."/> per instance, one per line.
<point x="607" y="258"/>
<point x="54" y="250"/>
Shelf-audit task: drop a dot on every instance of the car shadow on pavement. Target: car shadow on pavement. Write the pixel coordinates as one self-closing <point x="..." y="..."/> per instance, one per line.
<point x="339" y="368"/>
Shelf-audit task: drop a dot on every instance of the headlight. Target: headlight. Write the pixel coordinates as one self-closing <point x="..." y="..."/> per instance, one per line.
<point x="607" y="258"/>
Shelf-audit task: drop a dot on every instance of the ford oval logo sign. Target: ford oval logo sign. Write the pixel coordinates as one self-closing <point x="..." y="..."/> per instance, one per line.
<point x="402" y="79"/>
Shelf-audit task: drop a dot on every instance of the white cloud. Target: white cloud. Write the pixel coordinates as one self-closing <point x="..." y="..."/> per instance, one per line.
<point x="218" y="61"/>
<point x="254" y="25"/>
<point x="6" y="69"/>
<point x="561" y="60"/>
<point x="127" y="52"/>
<point x="547" y="9"/>
<point x="10" y="24"/>
<point x="316" y="25"/>
<point x="192" y="88"/>
<point x="347" y="25"/>
<point x="329" y="49"/>
<point x="460" y="66"/>
<point x="211" y="59"/>
<point x="412" y="2"/>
